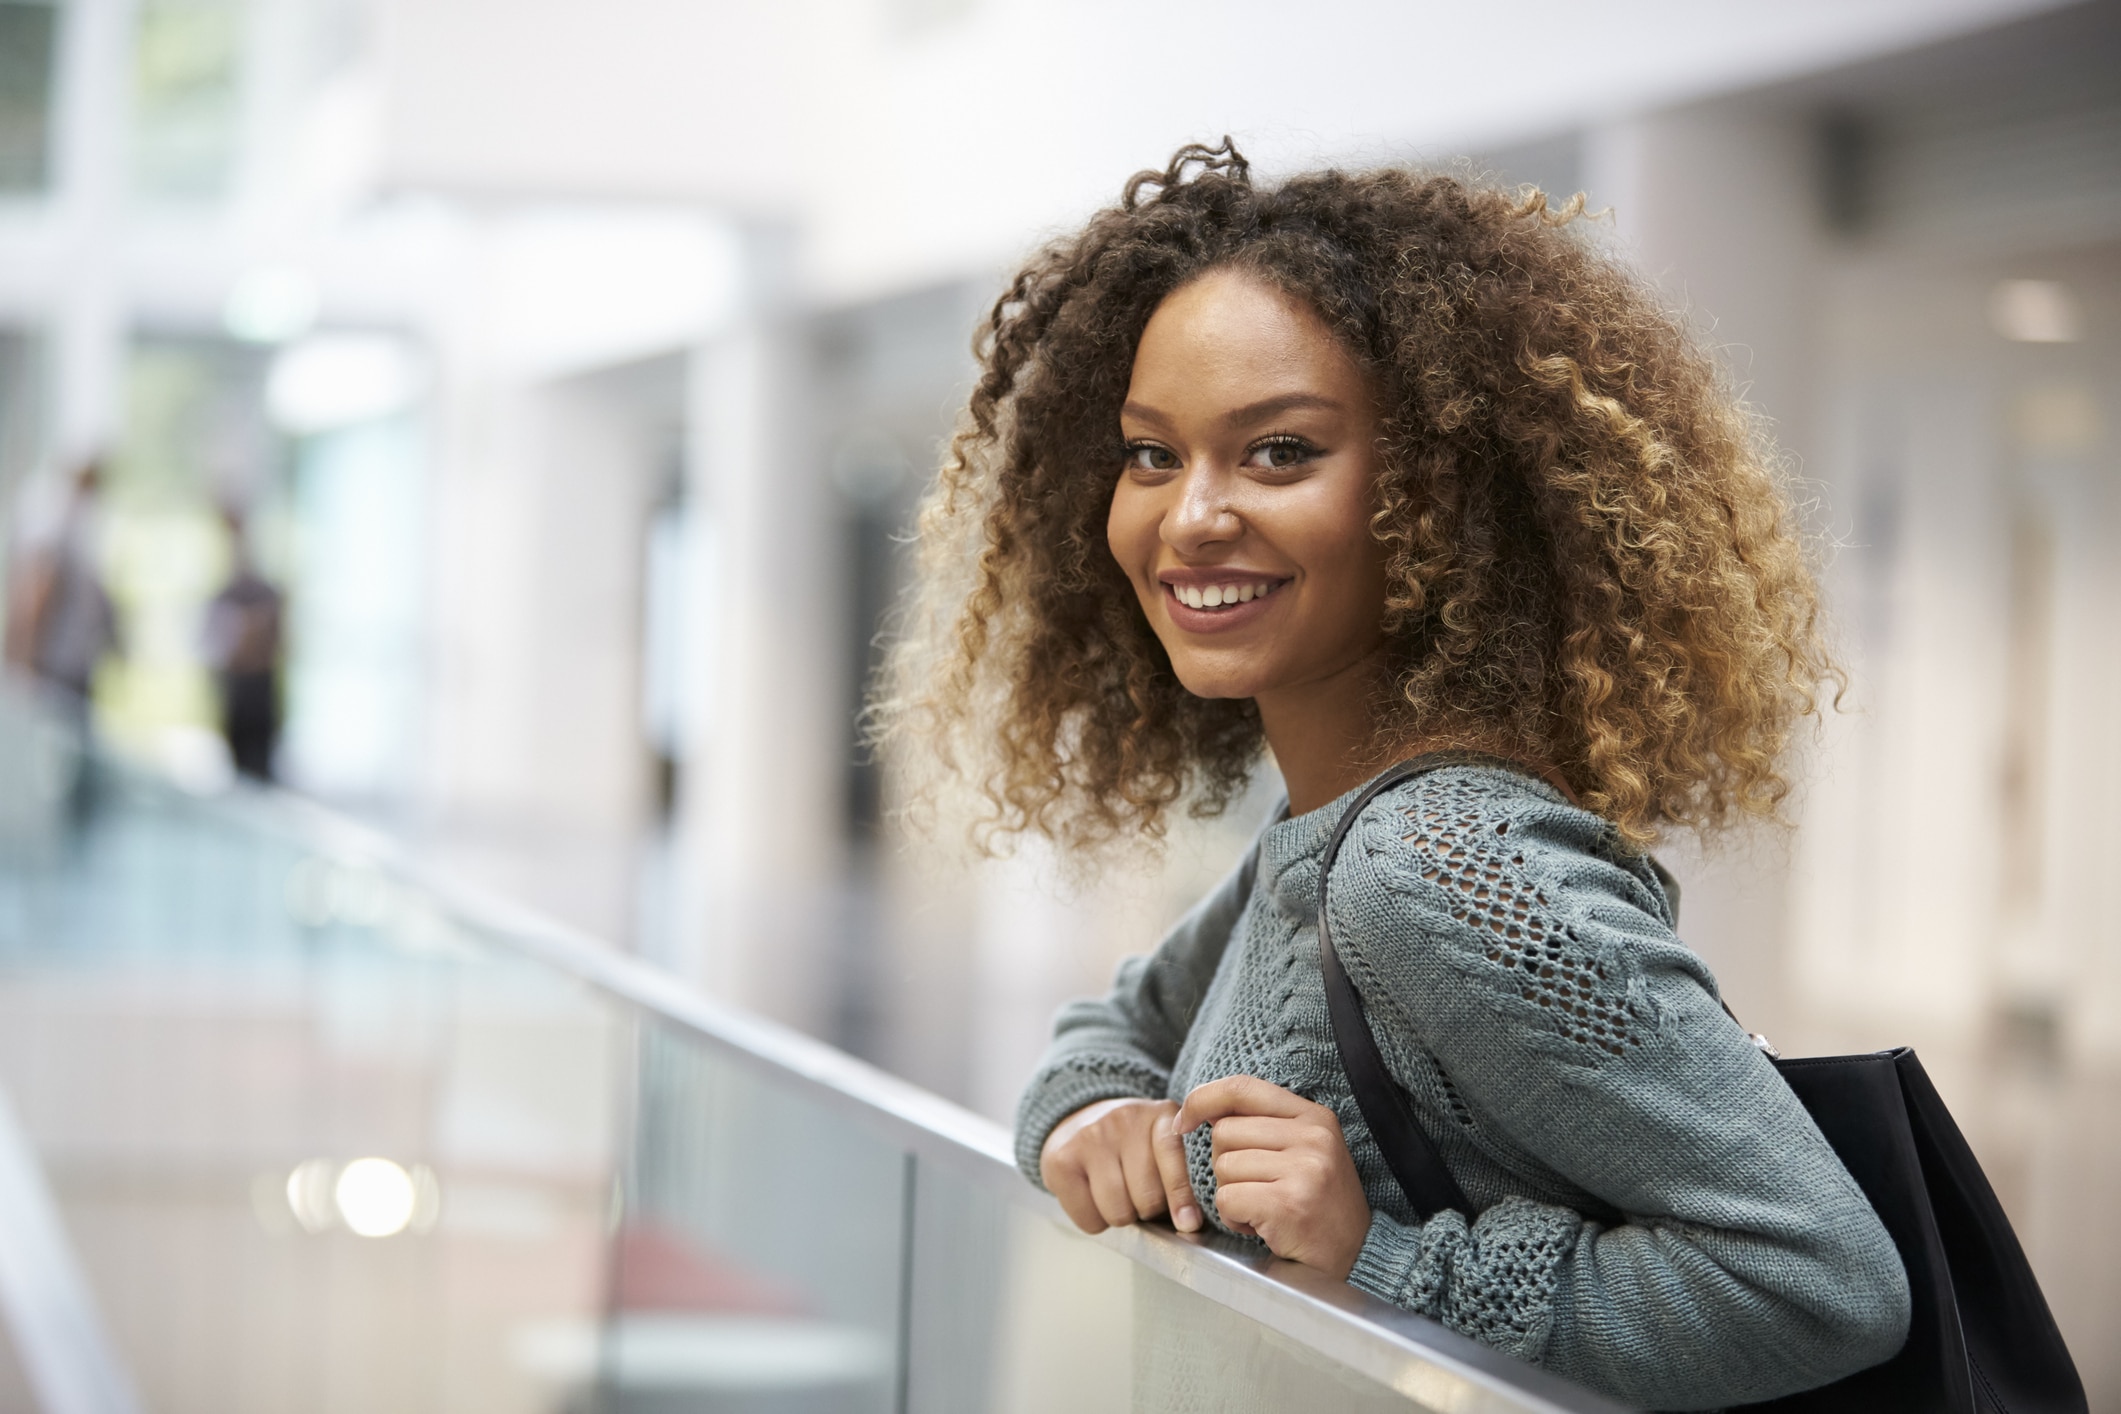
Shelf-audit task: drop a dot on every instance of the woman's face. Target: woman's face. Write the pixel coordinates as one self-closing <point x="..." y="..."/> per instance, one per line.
<point x="1242" y="514"/>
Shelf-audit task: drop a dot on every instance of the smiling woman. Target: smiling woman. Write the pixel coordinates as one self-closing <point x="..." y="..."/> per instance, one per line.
<point x="1242" y="518"/>
<point x="1360" y="468"/>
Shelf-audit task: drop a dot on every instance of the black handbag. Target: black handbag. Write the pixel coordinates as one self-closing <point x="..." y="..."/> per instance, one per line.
<point x="1981" y="1340"/>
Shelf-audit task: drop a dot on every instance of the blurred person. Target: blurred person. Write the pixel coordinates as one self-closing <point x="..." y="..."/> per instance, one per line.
<point x="60" y="624"/>
<point x="242" y="641"/>
<point x="1354" y="469"/>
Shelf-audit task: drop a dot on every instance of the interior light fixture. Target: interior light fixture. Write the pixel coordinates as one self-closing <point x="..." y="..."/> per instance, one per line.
<point x="330" y="381"/>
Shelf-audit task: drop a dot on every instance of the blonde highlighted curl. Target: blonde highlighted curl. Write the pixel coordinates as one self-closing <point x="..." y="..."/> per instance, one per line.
<point x="1591" y="561"/>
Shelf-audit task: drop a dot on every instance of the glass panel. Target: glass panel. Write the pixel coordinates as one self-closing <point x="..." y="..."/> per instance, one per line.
<point x="960" y="1258"/>
<point x="1010" y="1313"/>
<point x="1013" y="1313"/>
<point x="1190" y="1353"/>
<point x="307" y="1147"/>
<point x="759" y="1261"/>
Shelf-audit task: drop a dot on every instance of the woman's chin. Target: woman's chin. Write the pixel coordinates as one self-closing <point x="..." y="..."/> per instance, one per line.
<point x="1218" y="685"/>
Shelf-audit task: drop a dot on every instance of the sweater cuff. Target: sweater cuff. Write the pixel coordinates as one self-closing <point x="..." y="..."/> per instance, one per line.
<point x="1409" y="1266"/>
<point x="1061" y="1090"/>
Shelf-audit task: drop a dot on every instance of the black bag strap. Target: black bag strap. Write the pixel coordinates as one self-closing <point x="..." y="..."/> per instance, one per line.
<point x="1408" y="1150"/>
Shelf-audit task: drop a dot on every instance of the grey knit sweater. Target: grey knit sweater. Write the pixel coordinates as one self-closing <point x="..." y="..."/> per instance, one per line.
<point x="1658" y="1217"/>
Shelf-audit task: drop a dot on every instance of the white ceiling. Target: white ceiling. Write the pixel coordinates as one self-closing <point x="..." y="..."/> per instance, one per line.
<point x="915" y="139"/>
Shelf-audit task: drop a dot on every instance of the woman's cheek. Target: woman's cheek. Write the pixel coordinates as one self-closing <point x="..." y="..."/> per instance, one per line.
<point x="1126" y="528"/>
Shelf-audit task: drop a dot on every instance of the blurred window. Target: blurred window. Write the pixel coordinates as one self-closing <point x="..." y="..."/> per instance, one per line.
<point x="27" y="32"/>
<point x="21" y="420"/>
<point x="357" y="647"/>
<point x="186" y="64"/>
<point x="194" y="440"/>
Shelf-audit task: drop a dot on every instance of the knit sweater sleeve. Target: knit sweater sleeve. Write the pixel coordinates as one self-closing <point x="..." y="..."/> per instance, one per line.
<point x="1125" y="1042"/>
<point x="1501" y="931"/>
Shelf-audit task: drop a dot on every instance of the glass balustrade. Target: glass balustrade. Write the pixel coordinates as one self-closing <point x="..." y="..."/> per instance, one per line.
<point x="285" y="1125"/>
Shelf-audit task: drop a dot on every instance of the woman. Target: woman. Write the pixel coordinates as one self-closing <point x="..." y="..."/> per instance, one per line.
<point x="1356" y="468"/>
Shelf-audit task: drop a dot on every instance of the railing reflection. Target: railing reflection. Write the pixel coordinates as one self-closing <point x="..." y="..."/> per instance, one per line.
<point x="324" y="1133"/>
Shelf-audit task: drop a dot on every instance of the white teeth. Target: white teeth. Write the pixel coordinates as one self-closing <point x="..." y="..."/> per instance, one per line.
<point x="1217" y="596"/>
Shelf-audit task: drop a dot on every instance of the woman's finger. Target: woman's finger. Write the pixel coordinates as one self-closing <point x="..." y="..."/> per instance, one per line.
<point x="1144" y="1178"/>
<point x="1071" y="1185"/>
<point x="1248" y="1166"/>
<point x="1243" y="1206"/>
<point x="1108" y="1190"/>
<point x="1170" y="1152"/>
<point x="1254" y="1132"/>
<point x="1239" y="1095"/>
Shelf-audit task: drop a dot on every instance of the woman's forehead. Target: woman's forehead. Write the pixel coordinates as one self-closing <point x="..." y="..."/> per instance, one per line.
<point x="1232" y="337"/>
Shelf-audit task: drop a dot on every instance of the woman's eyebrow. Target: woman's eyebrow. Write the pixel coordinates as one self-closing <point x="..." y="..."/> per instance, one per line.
<point x="1248" y="414"/>
<point x="1275" y="406"/>
<point x="1142" y="412"/>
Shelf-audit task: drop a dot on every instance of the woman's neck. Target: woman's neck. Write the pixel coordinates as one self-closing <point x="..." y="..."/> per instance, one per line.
<point x="1324" y="734"/>
<point x="1326" y="739"/>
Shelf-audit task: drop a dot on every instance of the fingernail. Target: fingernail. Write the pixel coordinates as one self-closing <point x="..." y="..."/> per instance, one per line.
<point x="1187" y="1219"/>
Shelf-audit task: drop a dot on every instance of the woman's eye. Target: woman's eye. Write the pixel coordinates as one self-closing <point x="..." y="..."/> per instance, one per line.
<point x="1147" y="456"/>
<point x="1280" y="453"/>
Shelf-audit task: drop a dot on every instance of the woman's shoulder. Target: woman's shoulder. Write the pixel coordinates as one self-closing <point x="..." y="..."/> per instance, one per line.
<point x="1492" y="833"/>
<point x="1475" y="894"/>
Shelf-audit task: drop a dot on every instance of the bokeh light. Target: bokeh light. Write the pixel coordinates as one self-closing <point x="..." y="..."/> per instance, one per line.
<point x="375" y="1197"/>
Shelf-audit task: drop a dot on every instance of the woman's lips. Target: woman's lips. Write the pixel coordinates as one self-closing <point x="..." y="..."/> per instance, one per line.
<point x="1224" y="617"/>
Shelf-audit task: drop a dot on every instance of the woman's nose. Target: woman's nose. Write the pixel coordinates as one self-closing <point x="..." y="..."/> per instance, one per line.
<point x="1203" y="514"/>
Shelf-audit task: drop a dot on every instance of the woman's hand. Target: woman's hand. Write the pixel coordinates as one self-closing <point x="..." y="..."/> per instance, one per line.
<point x="1282" y="1171"/>
<point x="1119" y="1161"/>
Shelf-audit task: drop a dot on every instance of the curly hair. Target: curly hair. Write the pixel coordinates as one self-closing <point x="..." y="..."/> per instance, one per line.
<point x="1591" y="561"/>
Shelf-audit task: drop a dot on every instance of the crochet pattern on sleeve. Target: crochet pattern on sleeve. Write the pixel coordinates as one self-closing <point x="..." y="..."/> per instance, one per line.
<point x="1462" y="848"/>
<point x="1493" y="1281"/>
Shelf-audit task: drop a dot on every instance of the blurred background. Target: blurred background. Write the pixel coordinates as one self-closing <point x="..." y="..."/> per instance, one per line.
<point x="501" y="422"/>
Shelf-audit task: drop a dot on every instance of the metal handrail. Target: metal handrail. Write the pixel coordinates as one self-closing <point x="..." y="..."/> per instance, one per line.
<point x="1395" y="1348"/>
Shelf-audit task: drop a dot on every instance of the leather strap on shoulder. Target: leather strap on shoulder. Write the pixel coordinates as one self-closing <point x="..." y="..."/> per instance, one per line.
<point x="1407" y="1148"/>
